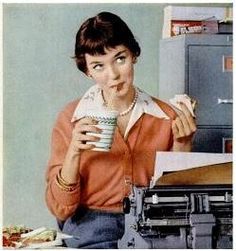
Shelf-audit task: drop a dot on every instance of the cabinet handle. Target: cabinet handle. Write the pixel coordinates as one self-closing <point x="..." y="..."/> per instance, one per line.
<point x="225" y="101"/>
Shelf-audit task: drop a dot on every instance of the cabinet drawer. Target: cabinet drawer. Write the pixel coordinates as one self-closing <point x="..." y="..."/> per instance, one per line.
<point x="210" y="84"/>
<point x="210" y="140"/>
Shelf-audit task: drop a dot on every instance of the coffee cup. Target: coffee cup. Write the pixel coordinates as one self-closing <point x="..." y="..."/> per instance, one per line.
<point x="107" y="121"/>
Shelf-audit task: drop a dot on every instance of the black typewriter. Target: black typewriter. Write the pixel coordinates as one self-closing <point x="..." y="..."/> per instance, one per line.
<point x="178" y="217"/>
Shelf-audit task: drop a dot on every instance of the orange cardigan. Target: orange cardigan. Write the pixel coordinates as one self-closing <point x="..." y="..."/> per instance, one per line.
<point x="106" y="177"/>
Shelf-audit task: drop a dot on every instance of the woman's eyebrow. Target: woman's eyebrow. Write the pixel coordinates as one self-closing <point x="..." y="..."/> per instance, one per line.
<point x="118" y="54"/>
<point x="95" y="62"/>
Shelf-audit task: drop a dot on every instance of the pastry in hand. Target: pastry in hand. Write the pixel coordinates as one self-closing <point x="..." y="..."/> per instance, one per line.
<point x="184" y="98"/>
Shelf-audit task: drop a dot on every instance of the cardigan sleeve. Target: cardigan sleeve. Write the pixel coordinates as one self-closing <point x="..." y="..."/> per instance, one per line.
<point x="61" y="203"/>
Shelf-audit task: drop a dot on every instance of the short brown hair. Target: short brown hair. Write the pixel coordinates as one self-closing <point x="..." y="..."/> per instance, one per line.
<point x="103" y="31"/>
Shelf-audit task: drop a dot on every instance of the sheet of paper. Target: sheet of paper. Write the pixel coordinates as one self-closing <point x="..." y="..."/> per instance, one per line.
<point x="175" y="161"/>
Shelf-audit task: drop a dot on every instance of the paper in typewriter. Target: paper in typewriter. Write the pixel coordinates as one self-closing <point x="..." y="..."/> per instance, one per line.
<point x="167" y="162"/>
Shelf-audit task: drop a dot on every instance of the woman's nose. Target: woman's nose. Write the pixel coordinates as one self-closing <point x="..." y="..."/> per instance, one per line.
<point x="114" y="73"/>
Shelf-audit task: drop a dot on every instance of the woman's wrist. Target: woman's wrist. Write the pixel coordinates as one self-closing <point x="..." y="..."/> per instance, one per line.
<point x="64" y="185"/>
<point x="70" y="174"/>
<point x="70" y="168"/>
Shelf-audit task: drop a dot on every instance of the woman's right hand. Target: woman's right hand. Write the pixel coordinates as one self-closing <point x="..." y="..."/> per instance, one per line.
<point x="70" y="170"/>
<point x="79" y="136"/>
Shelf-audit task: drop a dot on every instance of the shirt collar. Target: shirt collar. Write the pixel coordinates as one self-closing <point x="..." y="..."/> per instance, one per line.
<point x="146" y="104"/>
<point x="93" y="99"/>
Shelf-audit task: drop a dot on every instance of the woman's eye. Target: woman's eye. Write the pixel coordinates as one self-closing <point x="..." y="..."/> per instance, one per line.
<point x="98" y="67"/>
<point x="120" y="60"/>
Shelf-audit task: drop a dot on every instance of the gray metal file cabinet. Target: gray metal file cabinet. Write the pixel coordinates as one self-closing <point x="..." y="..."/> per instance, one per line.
<point x="200" y="65"/>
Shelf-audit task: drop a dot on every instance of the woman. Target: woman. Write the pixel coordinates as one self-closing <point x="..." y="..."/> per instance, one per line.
<point x="85" y="189"/>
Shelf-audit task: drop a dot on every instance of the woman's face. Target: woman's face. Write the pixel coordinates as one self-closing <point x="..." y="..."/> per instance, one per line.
<point x="114" y="70"/>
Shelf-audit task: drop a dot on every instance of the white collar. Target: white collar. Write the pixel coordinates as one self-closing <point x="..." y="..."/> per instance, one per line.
<point x="92" y="99"/>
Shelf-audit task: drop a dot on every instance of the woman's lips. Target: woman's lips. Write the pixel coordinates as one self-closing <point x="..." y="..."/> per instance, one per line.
<point x="120" y="86"/>
<point x="117" y="87"/>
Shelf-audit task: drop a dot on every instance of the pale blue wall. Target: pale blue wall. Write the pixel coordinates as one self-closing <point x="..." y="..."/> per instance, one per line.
<point x="40" y="78"/>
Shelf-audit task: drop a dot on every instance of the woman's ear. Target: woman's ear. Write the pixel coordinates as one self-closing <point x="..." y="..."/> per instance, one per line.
<point x="134" y="60"/>
<point x="88" y="74"/>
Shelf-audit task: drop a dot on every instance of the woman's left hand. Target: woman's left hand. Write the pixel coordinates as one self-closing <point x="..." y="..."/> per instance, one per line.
<point x="183" y="128"/>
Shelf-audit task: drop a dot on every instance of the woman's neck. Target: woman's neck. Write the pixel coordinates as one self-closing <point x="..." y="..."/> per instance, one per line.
<point x="121" y="103"/>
